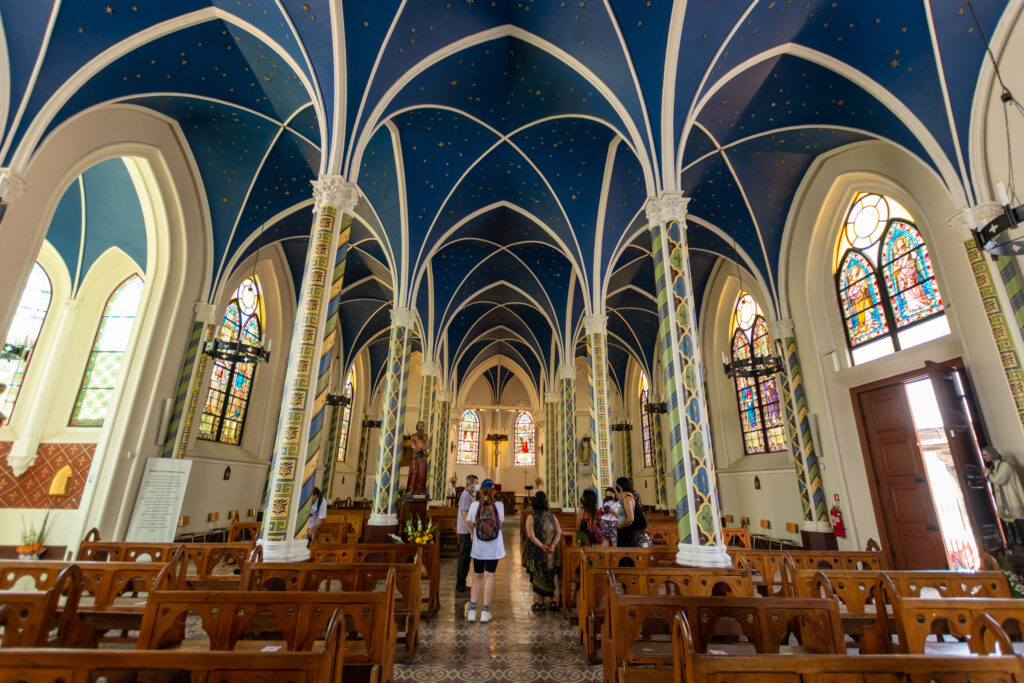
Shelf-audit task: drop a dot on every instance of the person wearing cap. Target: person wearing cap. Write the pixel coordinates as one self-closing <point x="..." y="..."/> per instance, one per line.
<point x="485" y="553"/>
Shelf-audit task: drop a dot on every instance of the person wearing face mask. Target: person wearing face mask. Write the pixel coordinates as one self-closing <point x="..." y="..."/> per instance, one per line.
<point x="610" y="516"/>
<point x="465" y="541"/>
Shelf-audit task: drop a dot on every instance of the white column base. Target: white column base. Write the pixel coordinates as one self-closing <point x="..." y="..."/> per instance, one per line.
<point x="716" y="556"/>
<point x="818" y="527"/>
<point x="293" y="550"/>
<point x="382" y="520"/>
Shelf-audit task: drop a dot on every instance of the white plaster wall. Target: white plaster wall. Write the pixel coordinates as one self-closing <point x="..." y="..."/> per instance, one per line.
<point x="207" y="491"/>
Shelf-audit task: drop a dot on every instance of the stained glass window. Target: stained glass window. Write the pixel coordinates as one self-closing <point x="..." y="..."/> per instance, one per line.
<point x="469" y="439"/>
<point x="23" y="333"/>
<point x="104" y="367"/>
<point x="346" y="417"/>
<point x="223" y="418"/>
<point x="645" y="421"/>
<point x="524" y="454"/>
<point x="885" y="281"/>
<point x="757" y="397"/>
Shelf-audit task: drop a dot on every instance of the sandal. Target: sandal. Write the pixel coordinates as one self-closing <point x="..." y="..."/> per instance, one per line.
<point x="553" y="606"/>
<point x="538" y="607"/>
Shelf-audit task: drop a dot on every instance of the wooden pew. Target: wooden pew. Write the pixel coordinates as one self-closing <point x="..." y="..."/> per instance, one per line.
<point x="692" y="665"/>
<point x="296" y="619"/>
<point x="350" y="577"/>
<point x="572" y="561"/>
<point x="390" y="553"/>
<point x="32" y="665"/>
<point x="768" y="565"/>
<point x="354" y="520"/>
<point x="736" y="537"/>
<point x="30" y="616"/>
<point x="446" y="521"/>
<point x="330" y="533"/>
<point x="243" y="531"/>
<point x="663" y="533"/>
<point x="766" y="624"/>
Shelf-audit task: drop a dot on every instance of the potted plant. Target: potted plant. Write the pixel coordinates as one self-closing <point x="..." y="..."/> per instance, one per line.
<point x="32" y="539"/>
<point x="539" y="482"/>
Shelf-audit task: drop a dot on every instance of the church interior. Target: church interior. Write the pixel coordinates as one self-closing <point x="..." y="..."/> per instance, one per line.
<point x="753" y="265"/>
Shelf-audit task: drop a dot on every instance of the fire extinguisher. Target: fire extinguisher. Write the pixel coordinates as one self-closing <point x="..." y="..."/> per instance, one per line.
<point x="837" y="519"/>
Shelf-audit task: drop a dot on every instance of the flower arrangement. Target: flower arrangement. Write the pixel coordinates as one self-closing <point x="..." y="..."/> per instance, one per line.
<point x="1012" y="577"/>
<point x="32" y="539"/>
<point x="418" y="534"/>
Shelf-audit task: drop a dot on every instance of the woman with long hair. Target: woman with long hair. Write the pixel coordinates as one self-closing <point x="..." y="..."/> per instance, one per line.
<point x="588" y="519"/>
<point x="634" y="519"/>
<point x="485" y="515"/>
<point x="611" y="515"/>
<point x="544" y="533"/>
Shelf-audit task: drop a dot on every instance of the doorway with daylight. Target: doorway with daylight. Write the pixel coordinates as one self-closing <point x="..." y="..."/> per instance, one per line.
<point x="921" y="435"/>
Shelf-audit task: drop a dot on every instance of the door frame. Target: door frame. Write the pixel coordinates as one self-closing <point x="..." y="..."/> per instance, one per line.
<point x="869" y="465"/>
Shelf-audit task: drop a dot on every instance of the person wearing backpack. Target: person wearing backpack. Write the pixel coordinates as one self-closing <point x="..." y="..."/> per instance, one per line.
<point x="634" y="522"/>
<point x="485" y="517"/>
<point x="589" y="518"/>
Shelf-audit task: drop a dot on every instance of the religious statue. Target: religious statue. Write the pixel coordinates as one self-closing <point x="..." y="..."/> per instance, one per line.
<point x="1008" y="494"/>
<point x="417" y="482"/>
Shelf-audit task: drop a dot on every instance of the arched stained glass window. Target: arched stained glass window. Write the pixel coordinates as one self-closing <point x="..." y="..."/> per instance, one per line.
<point x="525" y="454"/>
<point x="346" y="416"/>
<point x="758" y="397"/>
<point x="21" y="338"/>
<point x="885" y="282"/>
<point x="227" y="403"/>
<point x="469" y="439"/>
<point x="645" y="421"/>
<point x="103" y="370"/>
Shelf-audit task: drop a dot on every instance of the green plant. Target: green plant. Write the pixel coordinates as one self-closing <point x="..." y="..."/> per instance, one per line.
<point x="32" y="537"/>
<point x="1012" y="577"/>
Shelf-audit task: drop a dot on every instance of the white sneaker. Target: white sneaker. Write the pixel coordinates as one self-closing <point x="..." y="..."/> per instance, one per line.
<point x="485" y="616"/>
<point x="470" y="614"/>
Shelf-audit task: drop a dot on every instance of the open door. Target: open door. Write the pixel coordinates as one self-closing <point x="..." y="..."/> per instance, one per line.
<point x="956" y="419"/>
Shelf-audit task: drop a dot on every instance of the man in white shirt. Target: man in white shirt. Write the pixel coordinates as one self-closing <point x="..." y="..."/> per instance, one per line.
<point x="465" y="541"/>
<point x="317" y="513"/>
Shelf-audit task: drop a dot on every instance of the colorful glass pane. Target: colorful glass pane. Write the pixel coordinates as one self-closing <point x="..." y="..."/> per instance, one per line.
<point x="863" y="314"/>
<point x="866" y="220"/>
<point x="525" y="434"/>
<point x="227" y="402"/>
<point x="757" y="397"/>
<point x="24" y="331"/>
<point x="346" y="417"/>
<point x="761" y="340"/>
<point x="909" y="277"/>
<point x="469" y="439"/>
<point x="645" y="421"/>
<point x="103" y="370"/>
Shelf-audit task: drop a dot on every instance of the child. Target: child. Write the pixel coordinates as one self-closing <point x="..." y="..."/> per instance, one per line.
<point x="610" y="517"/>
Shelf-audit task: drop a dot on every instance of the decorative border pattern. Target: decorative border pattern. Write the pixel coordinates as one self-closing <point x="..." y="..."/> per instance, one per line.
<point x="197" y="366"/>
<point x="659" y="460"/>
<point x="600" y="421"/>
<point x="397" y="382"/>
<point x="428" y="414"/>
<point x="182" y="393"/>
<point x="440" y="449"/>
<point x="364" y="437"/>
<point x="32" y="488"/>
<point x="1000" y="327"/>
<point x="569" y="436"/>
<point x="792" y="431"/>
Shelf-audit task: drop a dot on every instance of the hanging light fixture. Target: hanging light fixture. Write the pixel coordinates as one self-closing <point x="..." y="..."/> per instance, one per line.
<point x="985" y="237"/>
<point x="238" y="351"/>
<point x="753" y="365"/>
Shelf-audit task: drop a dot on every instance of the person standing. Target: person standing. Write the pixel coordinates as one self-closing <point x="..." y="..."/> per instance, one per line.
<point x="465" y="540"/>
<point x="541" y="563"/>
<point x="486" y="516"/>
<point x="588" y="518"/>
<point x="317" y="514"/>
<point x="610" y="511"/>
<point x="634" y="520"/>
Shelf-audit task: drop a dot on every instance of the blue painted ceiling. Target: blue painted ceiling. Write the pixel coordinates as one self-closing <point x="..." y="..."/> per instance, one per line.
<point x="504" y="149"/>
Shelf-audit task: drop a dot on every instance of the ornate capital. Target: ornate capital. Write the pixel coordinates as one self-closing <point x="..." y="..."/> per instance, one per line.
<point x="596" y="324"/>
<point x="333" y="190"/>
<point x="12" y="184"/>
<point x="403" y="317"/>
<point x="444" y="396"/>
<point x="668" y="206"/>
<point x="551" y="397"/>
<point x="72" y="305"/>
<point x="960" y="222"/>
<point x="431" y="368"/>
<point x="207" y="313"/>
<point x="567" y="371"/>
<point x="780" y="329"/>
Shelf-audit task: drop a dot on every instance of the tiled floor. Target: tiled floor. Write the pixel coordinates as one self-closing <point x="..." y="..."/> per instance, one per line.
<point x="517" y="645"/>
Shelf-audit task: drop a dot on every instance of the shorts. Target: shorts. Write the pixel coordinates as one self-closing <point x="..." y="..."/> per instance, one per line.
<point x="481" y="566"/>
<point x="610" y="529"/>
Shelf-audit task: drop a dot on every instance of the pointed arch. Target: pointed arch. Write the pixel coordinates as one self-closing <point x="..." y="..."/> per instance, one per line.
<point x="22" y="337"/>
<point x="645" y="421"/>
<point x="346" y="414"/>
<point x="469" y="439"/>
<point x="525" y="445"/>
<point x="757" y="397"/>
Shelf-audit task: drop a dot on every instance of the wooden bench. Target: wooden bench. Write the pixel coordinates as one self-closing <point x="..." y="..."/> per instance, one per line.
<point x="736" y="537"/>
<point x="446" y="521"/>
<point x="572" y="561"/>
<point x="390" y="553"/>
<point x="692" y="665"/>
<point x="354" y="520"/>
<point x="349" y="577"/>
<point x="244" y="531"/>
<point x="330" y="533"/>
<point x="294" y="620"/>
<point x="769" y="570"/>
<point x="767" y="625"/>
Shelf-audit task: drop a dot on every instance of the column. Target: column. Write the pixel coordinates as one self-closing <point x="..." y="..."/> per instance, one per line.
<point x="325" y="370"/>
<point x="336" y="416"/>
<point x="25" y="450"/>
<point x="18" y="254"/>
<point x="625" y="431"/>
<point x="364" y="438"/>
<point x="428" y="412"/>
<point x="693" y="471"/>
<point x="567" y="376"/>
<point x="654" y="413"/>
<point x="384" y="518"/>
<point x="282" y="527"/>
<point x="192" y="380"/>
<point x="596" y="327"/>
<point x="439" y="453"/>
<point x="552" y="448"/>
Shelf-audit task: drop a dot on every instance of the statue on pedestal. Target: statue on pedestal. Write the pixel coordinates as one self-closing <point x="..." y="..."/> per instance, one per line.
<point x="417" y="482"/>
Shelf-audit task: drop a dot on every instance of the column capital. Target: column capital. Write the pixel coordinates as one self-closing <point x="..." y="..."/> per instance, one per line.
<point x="403" y="317"/>
<point x="12" y="184"/>
<point x="667" y="206"/>
<point x="207" y="313"/>
<point x="961" y="222"/>
<point x="444" y="396"/>
<point x="781" y="329"/>
<point x="71" y="305"/>
<point x="551" y="397"/>
<point x="596" y="324"/>
<point x="334" y="190"/>
<point x="567" y="371"/>
<point x="432" y="368"/>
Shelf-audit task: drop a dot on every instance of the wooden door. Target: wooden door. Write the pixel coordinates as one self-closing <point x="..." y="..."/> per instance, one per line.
<point x="981" y="509"/>
<point x="901" y="482"/>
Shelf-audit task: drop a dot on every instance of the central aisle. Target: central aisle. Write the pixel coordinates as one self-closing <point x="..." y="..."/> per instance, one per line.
<point x="517" y="645"/>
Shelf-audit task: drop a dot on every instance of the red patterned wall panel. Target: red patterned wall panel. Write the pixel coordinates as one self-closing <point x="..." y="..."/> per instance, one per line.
<point x="32" y="489"/>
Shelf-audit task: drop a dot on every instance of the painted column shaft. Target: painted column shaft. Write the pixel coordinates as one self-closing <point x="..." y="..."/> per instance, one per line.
<point x="600" y="418"/>
<point x="659" y="458"/>
<point x="700" y="531"/>
<point x="364" y="437"/>
<point x="281" y="522"/>
<point x="568" y="382"/>
<point x="193" y="376"/>
<point x="428" y="415"/>
<point x="439" y="456"/>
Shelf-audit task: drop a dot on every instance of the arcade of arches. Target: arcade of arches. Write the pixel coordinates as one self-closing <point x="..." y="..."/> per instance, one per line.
<point x="542" y="228"/>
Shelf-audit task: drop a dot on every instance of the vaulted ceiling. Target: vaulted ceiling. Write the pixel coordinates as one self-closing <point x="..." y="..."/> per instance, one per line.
<point x="504" y="149"/>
